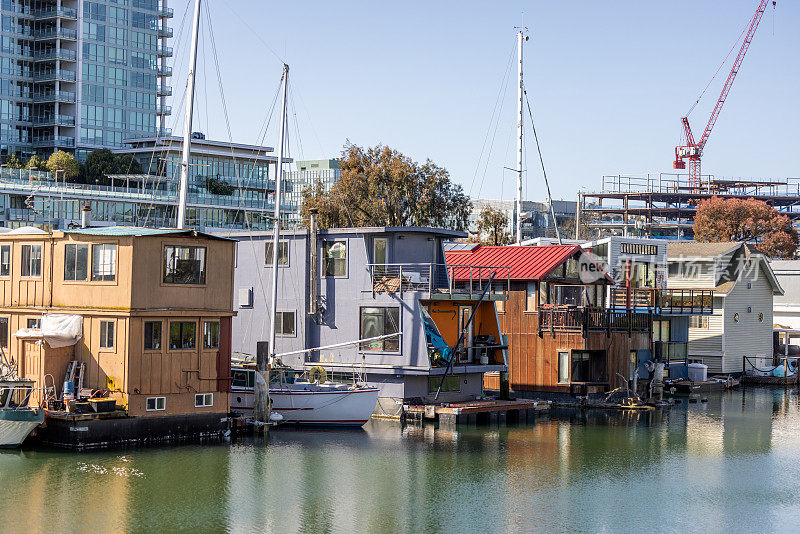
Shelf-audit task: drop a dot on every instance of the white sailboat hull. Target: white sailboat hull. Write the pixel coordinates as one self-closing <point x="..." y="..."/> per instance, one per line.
<point x="13" y="433"/>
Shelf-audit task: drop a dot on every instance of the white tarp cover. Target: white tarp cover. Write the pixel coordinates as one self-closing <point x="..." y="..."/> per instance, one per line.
<point x="59" y="330"/>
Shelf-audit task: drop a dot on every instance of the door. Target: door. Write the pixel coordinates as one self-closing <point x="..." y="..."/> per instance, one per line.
<point x="464" y="313"/>
<point x="380" y="255"/>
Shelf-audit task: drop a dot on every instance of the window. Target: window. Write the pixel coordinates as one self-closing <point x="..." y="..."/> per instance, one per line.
<point x="563" y="367"/>
<point x="211" y="334"/>
<point x="31" y="260"/>
<point x="154" y="404"/>
<point x="242" y="379"/>
<point x="499" y="288"/>
<point x="5" y="260"/>
<point x="377" y="322"/>
<point x="735" y="317"/>
<point x="181" y="335"/>
<point x="760" y="317"/>
<point x="184" y="265"/>
<point x="379" y="251"/>
<point x="76" y="262"/>
<point x="335" y="258"/>
<point x="283" y="253"/>
<point x="638" y="248"/>
<point x="104" y="262"/>
<point x="152" y="335"/>
<point x="106" y="334"/>
<point x="530" y="296"/>
<point x="4" y="332"/>
<point x="660" y="330"/>
<point x="284" y="322"/>
<point x="451" y="384"/>
<point x="698" y="321"/>
<point x="203" y="399"/>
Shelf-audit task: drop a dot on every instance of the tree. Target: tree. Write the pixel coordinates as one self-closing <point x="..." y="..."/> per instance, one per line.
<point x="733" y="219"/>
<point x="493" y="227"/>
<point x="99" y="163"/>
<point x="14" y="162"/>
<point x="126" y="164"/>
<point x="36" y="164"/>
<point x="379" y="186"/>
<point x="65" y="164"/>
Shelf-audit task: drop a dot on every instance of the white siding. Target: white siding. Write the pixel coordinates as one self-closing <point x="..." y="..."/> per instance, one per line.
<point x="706" y="343"/>
<point x="748" y="337"/>
<point x="705" y="278"/>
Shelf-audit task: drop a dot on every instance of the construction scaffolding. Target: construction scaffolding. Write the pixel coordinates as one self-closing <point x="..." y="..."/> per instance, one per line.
<point x="664" y="204"/>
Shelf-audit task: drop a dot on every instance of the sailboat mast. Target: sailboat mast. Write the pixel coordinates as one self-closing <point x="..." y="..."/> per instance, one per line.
<point x="519" y="135"/>
<point x="183" y="186"/>
<point x="276" y="224"/>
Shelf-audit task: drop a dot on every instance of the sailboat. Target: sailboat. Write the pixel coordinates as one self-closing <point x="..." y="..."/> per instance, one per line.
<point x="17" y="419"/>
<point x="288" y="398"/>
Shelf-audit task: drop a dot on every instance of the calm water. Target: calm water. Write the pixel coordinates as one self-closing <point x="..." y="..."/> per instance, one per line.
<point x="731" y="465"/>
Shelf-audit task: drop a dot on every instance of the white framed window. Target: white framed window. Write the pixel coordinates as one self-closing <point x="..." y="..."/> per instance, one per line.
<point x="530" y="296"/>
<point x="155" y="404"/>
<point x="31" y="260"/>
<point x="203" y="399"/>
<point x="5" y="260"/>
<point x="698" y="321"/>
<point x="104" y="262"/>
<point x="106" y="334"/>
<point x="284" y="323"/>
<point x="283" y="253"/>
<point x="563" y="367"/>
<point x="76" y="262"/>
<point x="34" y="323"/>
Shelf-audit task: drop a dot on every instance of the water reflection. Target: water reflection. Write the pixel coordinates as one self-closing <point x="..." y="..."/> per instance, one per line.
<point x="726" y="464"/>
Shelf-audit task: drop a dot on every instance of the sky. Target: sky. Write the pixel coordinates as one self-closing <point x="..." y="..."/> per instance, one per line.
<point x="608" y="83"/>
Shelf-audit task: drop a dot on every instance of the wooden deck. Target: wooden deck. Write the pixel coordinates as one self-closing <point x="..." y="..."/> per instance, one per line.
<point x="477" y="412"/>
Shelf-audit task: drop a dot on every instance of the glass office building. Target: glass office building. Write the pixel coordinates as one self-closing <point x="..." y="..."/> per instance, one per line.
<point x="80" y="75"/>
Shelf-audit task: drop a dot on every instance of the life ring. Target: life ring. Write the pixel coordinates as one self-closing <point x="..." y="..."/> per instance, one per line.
<point x="317" y="374"/>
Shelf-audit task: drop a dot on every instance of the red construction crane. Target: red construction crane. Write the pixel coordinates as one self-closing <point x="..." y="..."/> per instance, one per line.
<point x="693" y="151"/>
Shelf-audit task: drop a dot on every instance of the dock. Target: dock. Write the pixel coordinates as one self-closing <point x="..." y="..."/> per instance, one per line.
<point x="486" y="412"/>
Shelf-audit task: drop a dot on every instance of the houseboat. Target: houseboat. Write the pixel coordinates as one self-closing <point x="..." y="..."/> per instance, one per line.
<point x="137" y="317"/>
<point x="378" y="301"/>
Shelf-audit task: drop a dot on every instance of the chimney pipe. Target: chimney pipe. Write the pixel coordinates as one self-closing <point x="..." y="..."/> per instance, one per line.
<point x="86" y="215"/>
<point x="313" y="259"/>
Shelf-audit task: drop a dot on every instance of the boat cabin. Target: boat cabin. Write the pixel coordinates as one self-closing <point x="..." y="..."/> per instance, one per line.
<point x="15" y="394"/>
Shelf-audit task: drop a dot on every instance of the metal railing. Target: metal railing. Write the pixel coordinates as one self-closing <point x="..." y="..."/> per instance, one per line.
<point x="466" y="281"/>
<point x="164" y="51"/>
<point x="164" y="110"/>
<point x="677" y="182"/>
<point x="58" y="141"/>
<point x="55" y="53"/>
<point x="163" y="70"/>
<point x="164" y="90"/>
<point x="54" y="96"/>
<point x="668" y="301"/>
<point x="165" y="32"/>
<point x="581" y="319"/>
<point x="53" y="33"/>
<point x="166" y="12"/>
<point x="52" y="12"/>
<point x="54" y="74"/>
<point x="54" y="120"/>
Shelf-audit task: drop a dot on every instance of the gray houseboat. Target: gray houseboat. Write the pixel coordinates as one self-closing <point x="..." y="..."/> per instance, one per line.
<point x="341" y="286"/>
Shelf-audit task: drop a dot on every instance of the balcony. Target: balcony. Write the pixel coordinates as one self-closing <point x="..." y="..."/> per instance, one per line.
<point x="163" y="70"/>
<point x="439" y="281"/>
<point x="54" y="120"/>
<point x="53" y="75"/>
<point x="164" y="110"/>
<point x="165" y="33"/>
<point x="555" y="318"/>
<point x="164" y="51"/>
<point x="55" y="53"/>
<point x="54" y="96"/>
<point x="665" y="301"/>
<point x="166" y="13"/>
<point x="53" y="12"/>
<point x="54" y="141"/>
<point x="164" y="132"/>
<point x="164" y="90"/>
<point x="55" y="33"/>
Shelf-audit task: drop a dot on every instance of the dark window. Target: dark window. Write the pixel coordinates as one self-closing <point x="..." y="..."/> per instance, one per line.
<point x="104" y="262"/>
<point x="34" y="323"/>
<point x="377" y="322"/>
<point x="242" y="378"/>
<point x="106" y="334"/>
<point x="588" y="366"/>
<point x="451" y="383"/>
<point x="283" y="253"/>
<point x="335" y="258"/>
<point x="4" y="332"/>
<point x="184" y="265"/>
<point x="284" y="321"/>
<point x="152" y="335"/>
<point x="182" y="335"/>
<point x="31" y="260"/>
<point x="76" y="262"/>
<point x="5" y="260"/>
<point x="211" y="335"/>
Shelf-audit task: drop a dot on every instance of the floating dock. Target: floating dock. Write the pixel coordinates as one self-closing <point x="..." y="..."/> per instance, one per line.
<point x="477" y="412"/>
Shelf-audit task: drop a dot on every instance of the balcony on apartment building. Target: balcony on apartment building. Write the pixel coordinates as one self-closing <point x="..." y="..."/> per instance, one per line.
<point x="53" y="12"/>
<point x="163" y="110"/>
<point x="51" y="54"/>
<point x="166" y="12"/>
<point x="438" y="281"/>
<point x="57" y="141"/>
<point x="165" y="33"/>
<point x="54" y="96"/>
<point x="163" y="70"/>
<point x="53" y="120"/>
<point x="164" y="51"/>
<point x="664" y="301"/>
<point x="51" y="75"/>
<point x="53" y="32"/>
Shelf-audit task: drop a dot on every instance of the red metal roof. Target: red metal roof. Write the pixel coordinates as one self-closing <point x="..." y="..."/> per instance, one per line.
<point x="524" y="263"/>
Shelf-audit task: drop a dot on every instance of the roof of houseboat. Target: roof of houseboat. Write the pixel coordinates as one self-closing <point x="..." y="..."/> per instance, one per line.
<point x="137" y="231"/>
<point x="524" y="263"/>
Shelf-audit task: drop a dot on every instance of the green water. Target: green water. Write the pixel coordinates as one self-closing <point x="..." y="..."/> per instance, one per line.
<point x="731" y="465"/>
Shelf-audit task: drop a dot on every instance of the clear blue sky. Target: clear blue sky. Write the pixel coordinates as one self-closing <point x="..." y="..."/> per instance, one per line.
<point x="608" y="80"/>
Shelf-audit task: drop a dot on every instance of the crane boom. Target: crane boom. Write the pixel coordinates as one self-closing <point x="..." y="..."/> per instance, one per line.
<point x="692" y="150"/>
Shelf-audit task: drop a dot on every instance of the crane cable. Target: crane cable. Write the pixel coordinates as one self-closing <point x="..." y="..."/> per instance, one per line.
<point x="544" y="173"/>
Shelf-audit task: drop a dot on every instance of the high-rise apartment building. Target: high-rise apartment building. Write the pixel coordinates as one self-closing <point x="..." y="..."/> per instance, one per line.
<point x="79" y="75"/>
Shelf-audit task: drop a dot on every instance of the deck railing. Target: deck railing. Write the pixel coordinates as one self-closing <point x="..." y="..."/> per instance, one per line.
<point x="437" y="279"/>
<point x="668" y="301"/>
<point x="581" y="319"/>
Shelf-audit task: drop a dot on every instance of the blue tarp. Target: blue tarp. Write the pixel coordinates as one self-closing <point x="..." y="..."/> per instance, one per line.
<point x="434" y="338"/>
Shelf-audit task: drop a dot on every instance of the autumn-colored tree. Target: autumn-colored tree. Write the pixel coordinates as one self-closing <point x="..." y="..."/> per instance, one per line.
<point x="493" y="227"/>
<point x="35" y="163"/>
<point x="733" y="219"/>
<point x="13" y="162"/>
<point x="65" y="164"/>
<point x="379" y="186"/>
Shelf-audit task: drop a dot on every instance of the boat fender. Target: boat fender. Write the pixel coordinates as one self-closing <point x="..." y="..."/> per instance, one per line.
<point x="275" y="417"/>
<point x="317" y="374"/>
